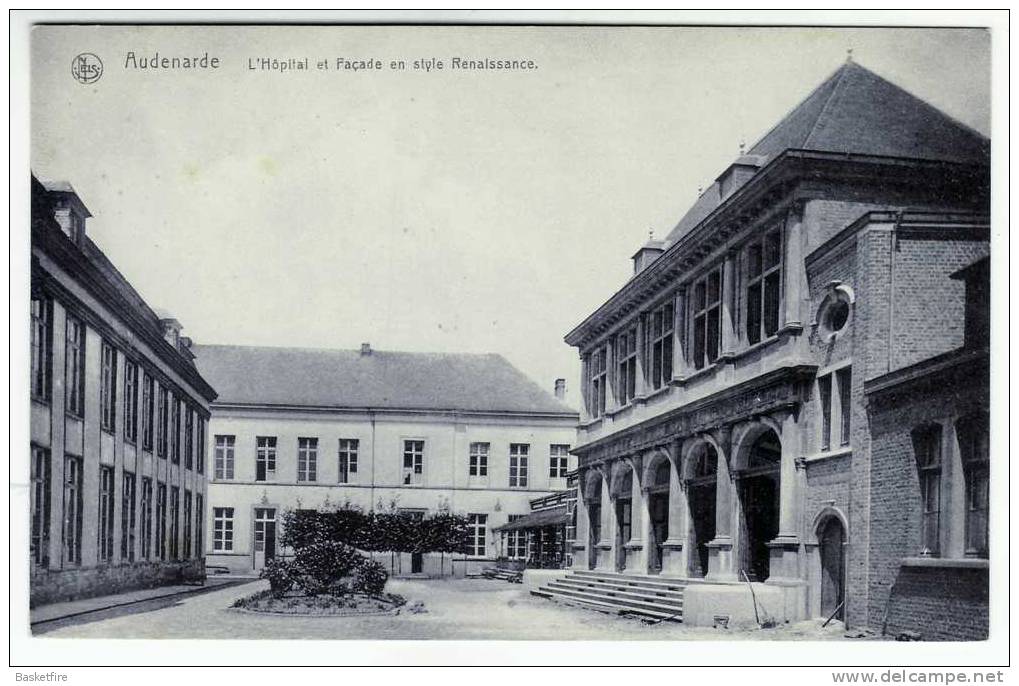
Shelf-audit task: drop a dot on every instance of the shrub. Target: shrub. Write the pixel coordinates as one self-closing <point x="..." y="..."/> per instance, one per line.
<point x="322" y="566"/>
<point x="280" y="575"/>
<point x="370" y="578"/>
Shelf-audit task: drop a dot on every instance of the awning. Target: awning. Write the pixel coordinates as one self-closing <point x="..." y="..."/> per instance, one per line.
<point x="554" y="516"/>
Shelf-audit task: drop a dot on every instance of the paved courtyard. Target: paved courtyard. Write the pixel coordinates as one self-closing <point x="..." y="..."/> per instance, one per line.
<point x="456" y="610"/>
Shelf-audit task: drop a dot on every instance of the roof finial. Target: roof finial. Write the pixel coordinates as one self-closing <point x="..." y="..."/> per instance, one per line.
<point x="700" y="191"/>
<point x="849" y="55"/>
<point x="742" y="148"/>
<point x="651" y="233"/>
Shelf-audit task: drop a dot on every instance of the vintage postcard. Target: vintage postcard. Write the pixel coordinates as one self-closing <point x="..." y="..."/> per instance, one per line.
<point x="527" y="331"/>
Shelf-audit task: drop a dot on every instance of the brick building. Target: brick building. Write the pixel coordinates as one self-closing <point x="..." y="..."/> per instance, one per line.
<point x="769" y="396"/>
<point x="421" y="432"/>
<point x="117" y="423"/>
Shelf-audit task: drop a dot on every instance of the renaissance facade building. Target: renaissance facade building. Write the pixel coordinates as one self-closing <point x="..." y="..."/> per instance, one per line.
<point x="417" y="432"/>
<point x="788" y="390"/>
<point x="117" y="423"/>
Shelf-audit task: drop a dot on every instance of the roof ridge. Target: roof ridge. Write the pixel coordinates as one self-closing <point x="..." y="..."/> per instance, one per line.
<point x="841" y="72"/>
<point x="304" y="348"/>
<point x="802" y="102"/>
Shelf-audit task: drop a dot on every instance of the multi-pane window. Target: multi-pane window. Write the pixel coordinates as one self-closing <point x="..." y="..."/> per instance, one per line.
<point x="148" y="413"/>
<point x="518" y="464"/>
<point x="146" y="511"/>
<point x="413" y="462"/>
<point x="347" y="460"/>
<point x="187" y="524"/>
<point x="75" y="367"/>
<point x="626" y="366"/>
<point x="175" y="430"/>
<point x="72" y="510"/>
<point x="201" y="445"/>
<point x="127" y="518"/>
<point x="265" y="458"/>
<point x="558" y="461"/>
<point x="764" y="286"/>
<point x="223" y="458"/>
<point x="706" y="311"/>
<point x="265" y="522"/>
<point x="130" y="401"/>
<point x="199" y="525"/>
<point x="478" y="464"/>
<point x="478" y="527"/>
<point x="222" y="529"/>
<point x="834" y="392"/>
<point x="108" y="386"/>
<point x="161" y="521"/>
<point x="163" y="422"/>
<point x="927" y="448"/>
<point x="662" y="325"/>
<point x="516" y="541"/>
<point x="307" y="459"/>
<point x="189" y="438"/>
<point x="974" y="445"/>
<point x="174" y="522"/>
<point x="598" y="378"/>
<point x="40" y="496"/>
<point x="42" y="346"/>
<point x="106" y="514"/>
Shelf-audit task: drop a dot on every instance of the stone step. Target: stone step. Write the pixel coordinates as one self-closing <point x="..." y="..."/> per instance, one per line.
<point x="622" y="590"/>
<point x="625" y="603"/>
<point x="631" y="580"/>
<point x="594" y="603"/>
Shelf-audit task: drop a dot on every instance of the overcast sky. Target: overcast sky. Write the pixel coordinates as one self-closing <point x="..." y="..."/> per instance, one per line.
<point x="443" y="211"/>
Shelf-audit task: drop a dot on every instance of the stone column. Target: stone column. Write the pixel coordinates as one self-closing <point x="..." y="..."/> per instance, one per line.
<point x="582" y="533"/>
<point x="606" y="561"/>
<point x="585" y="361"/>
<point x="640" y="386"/>
<point x="720" y="562"/>
<point x="793" y="268"/>
<point x="675" y="547"/>
<point x="785" y="547"/>
<point x="640" y="520"/>
<point x="728" y="305"/>
<point x="680" y="366"/>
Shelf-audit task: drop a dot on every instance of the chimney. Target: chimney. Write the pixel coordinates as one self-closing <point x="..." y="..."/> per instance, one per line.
<point x="171" y="331"/>
<point x="366" y="349"/>
<point x="560" y="389"/>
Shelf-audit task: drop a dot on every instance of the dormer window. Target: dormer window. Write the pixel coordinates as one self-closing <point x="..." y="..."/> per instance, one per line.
<point x="75" y="227"/>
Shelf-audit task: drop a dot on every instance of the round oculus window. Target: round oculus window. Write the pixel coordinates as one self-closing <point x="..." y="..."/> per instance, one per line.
<point x="836" y="314"/>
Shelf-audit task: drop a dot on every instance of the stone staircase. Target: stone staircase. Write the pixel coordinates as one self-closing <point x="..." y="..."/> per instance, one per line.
<point x="622" y="594"/>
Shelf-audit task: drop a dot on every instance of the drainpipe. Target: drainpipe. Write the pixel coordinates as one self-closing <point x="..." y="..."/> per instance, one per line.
<point x="893" y="248"/>
<point x="371" y="491"/>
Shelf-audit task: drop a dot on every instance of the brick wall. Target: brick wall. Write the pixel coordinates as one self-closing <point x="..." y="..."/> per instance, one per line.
<point x="54" y="586"/>
<point x="940" y="604"/>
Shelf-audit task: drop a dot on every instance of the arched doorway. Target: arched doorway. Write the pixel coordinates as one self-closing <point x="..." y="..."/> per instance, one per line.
<point x="831" y="539"/>
<point x="759" y="502"/>
<point x="658" y="510"/>
<point x="701" y="492"/>
<point x="622" y="493"/>
<point x="592" y="492"/>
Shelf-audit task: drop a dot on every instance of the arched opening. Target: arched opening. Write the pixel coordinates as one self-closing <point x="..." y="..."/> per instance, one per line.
<point x="831" y="539"/>
<point x="759" y="502"/>
<point x="658" y="509"/>
<point x="622" y="494"/>
<point x="592" y="492"/>
<point x="701" y="491"/>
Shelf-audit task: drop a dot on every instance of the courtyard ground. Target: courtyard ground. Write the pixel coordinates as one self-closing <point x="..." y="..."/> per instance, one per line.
<point x="462" y="609"/>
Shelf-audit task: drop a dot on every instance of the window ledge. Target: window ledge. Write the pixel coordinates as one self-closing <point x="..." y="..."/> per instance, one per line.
<point x="703" y="371"/>
<point x="842" y="451"/>
<point x="946" y="562"/>
<point x="591" y="423"/>
<point x="656" y="393"/>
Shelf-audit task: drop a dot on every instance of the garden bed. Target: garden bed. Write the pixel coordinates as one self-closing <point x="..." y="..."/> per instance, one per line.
<point x="355" y="604"/>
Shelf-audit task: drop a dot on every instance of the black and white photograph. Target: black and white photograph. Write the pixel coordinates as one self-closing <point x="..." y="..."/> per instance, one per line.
<point x="623" y="338"/>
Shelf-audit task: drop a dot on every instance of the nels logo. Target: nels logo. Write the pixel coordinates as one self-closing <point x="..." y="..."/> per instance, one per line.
<point x="87" y="68"/>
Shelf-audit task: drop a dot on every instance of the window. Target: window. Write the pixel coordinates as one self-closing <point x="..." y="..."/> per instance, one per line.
<point x="72" y="510"/>
<point x="223" y="460"/>
<point x="199" y="525"/>
<point x="307" y="459"/>
<point x="265" y="458"/>
<point x="626" y="366"/>
<point x="161" y="521"/>
<point x="40" y="497"/>
<point x="764" y="286"/>
<point x="75" y="367"/>
<point x="927" y="447"/>
<point x="347" y="459"/>
<point x="264" y="517"/>
<point x="518" y="465"/>
<point x="148" y="398"/>
<point x="516" y="541"/>
<point x="108" y="386"/>
<point x="127" y="518"/>
<point x="105" y="514"/>
<point x="596" y="387"/>
<point x="42" y="346"/>
<point x="834" y="392"/>
<point x="175" y="431"/>
<point x="187" y="524"/>
<point x="413" y="462"/>
<point x="130" y="401"/>
<point x="707" y="314"/>
<point x="662" y="327"/>
<point x="189" y="439"/>
<point x="174" y="522"/>
<point x="201" y="445"/>
<point x="478" y="527"/>
<point x="558" y="462"/>
<point x="974" y="445"/>
<point x="478" y="465"/>
<point x="146" y="508"/>
<point x="164" y="422"/>
<point x="222" y="529"/>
